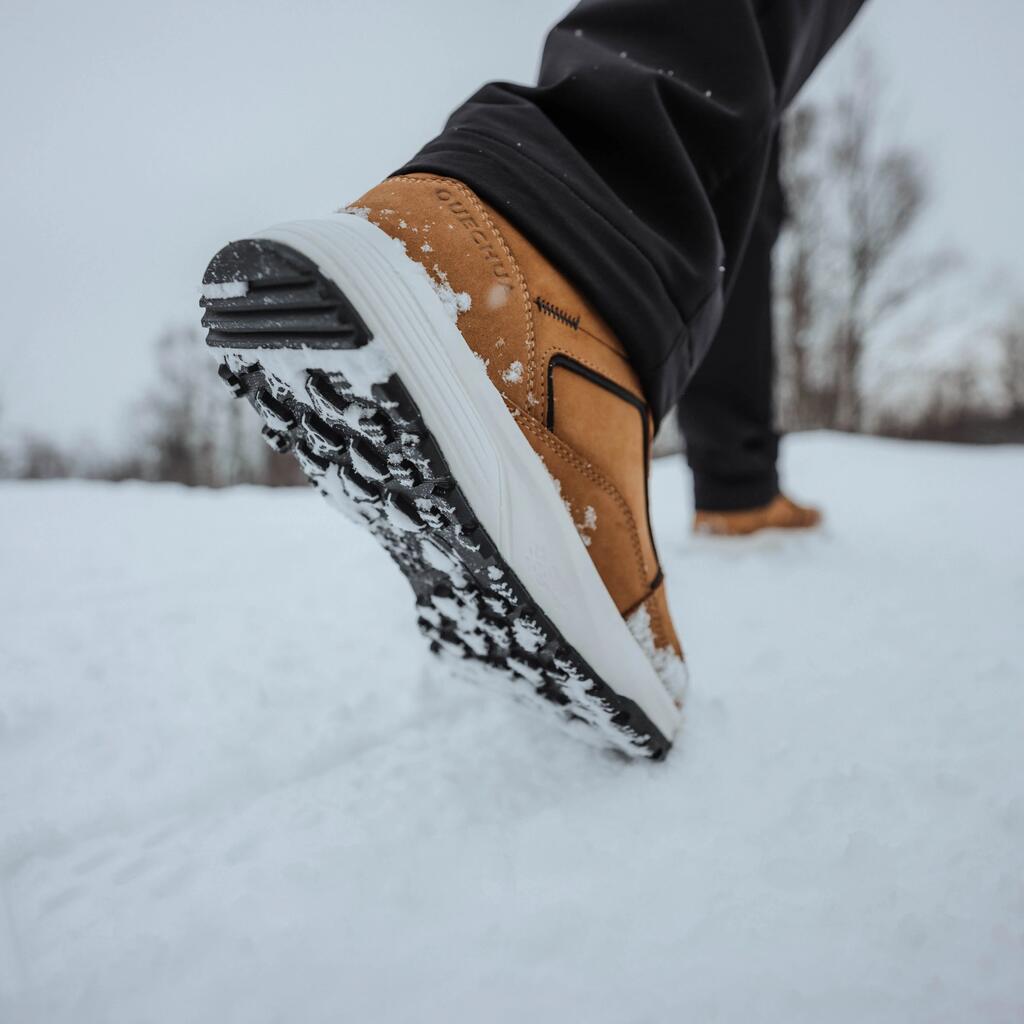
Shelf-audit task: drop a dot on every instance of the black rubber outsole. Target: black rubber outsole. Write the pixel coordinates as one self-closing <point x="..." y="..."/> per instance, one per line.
<point x="373" y="455"/>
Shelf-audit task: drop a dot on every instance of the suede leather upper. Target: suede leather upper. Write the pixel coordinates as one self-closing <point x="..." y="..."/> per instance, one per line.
<point x="561" y="372"/>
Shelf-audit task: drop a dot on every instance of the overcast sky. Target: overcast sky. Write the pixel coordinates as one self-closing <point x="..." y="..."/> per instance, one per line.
<point x="136" y="138"/>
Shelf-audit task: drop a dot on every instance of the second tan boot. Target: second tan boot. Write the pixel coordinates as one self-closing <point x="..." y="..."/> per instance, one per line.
<point x="781" y="513"/>
<point x="442" y="383"/>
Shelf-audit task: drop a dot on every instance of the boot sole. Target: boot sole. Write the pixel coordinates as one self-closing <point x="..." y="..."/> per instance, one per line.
<point x="342" y="345"/>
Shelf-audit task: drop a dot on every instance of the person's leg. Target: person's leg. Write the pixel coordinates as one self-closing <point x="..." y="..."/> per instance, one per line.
<point x="727" y="413"/>
<point x="637" y="162"/>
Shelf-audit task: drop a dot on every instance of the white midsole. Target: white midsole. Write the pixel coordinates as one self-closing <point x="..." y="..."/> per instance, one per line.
<point x="502" y="477"/>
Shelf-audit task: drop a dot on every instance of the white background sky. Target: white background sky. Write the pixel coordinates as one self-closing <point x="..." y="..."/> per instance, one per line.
<point x="136" y="138"/>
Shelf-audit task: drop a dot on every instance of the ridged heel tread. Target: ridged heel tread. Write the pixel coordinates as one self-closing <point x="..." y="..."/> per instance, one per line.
<point x="261" y="295"/>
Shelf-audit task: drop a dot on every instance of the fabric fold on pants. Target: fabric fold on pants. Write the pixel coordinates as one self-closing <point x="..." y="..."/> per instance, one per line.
<point x="637" y="162"/>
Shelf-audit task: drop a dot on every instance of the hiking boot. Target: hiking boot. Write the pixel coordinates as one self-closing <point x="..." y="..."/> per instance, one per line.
<point x="442" y="383"/>
<point x="781" y="513"/>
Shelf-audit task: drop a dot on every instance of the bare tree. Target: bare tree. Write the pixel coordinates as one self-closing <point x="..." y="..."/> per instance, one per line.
<point x="853" y="201"/>
<point x="5" y="467"/>
<point x="882" y="197"/>
<point x="1012" y="338"/>
<point x="171" y="410"/>
<point x="795" y="278"/>
<point x="185" y="430"/>
<point x="192" y="432"/>
<point x="43" y="459"/>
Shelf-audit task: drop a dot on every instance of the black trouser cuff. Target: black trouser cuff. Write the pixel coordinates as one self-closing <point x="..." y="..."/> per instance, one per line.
<point x="717" y="494"/>
<point x="575" y="233"/>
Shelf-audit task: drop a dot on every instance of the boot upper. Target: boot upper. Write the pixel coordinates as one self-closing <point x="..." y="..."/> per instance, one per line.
<point x="562" y="373"/>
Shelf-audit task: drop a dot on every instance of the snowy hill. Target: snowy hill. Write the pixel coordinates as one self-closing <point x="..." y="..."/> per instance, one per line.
<point x="229" y="791"/>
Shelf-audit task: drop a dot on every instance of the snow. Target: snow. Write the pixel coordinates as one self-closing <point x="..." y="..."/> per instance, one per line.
<point x="529" y="635"/>
<point x="671" y="669"/>
<point x="455" y="303"/>
<point x="587" y="525"/>
<point x="225" y="289"/>
<point x="513" y="373"/>
<point x="364" y="368"/>
<point x="498" y="296"/>
<point x="231" y="791"/>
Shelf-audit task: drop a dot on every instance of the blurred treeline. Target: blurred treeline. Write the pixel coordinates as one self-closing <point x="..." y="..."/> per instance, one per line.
<point x="185" y="429"/>
<point x="856" y="313"/>
<point x="867" y="336"/>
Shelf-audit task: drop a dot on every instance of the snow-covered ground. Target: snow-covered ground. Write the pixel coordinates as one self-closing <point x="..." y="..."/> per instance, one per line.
<point x="229" y="791"/>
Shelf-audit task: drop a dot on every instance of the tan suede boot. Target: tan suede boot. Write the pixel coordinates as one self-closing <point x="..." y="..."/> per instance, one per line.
<point x="781" y="513"/>
<point x="440" y="380"/>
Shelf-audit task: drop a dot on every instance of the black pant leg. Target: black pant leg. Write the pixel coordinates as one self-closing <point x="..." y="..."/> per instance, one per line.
<point x="727" y="414"/>
<point x="636" y="164"/>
